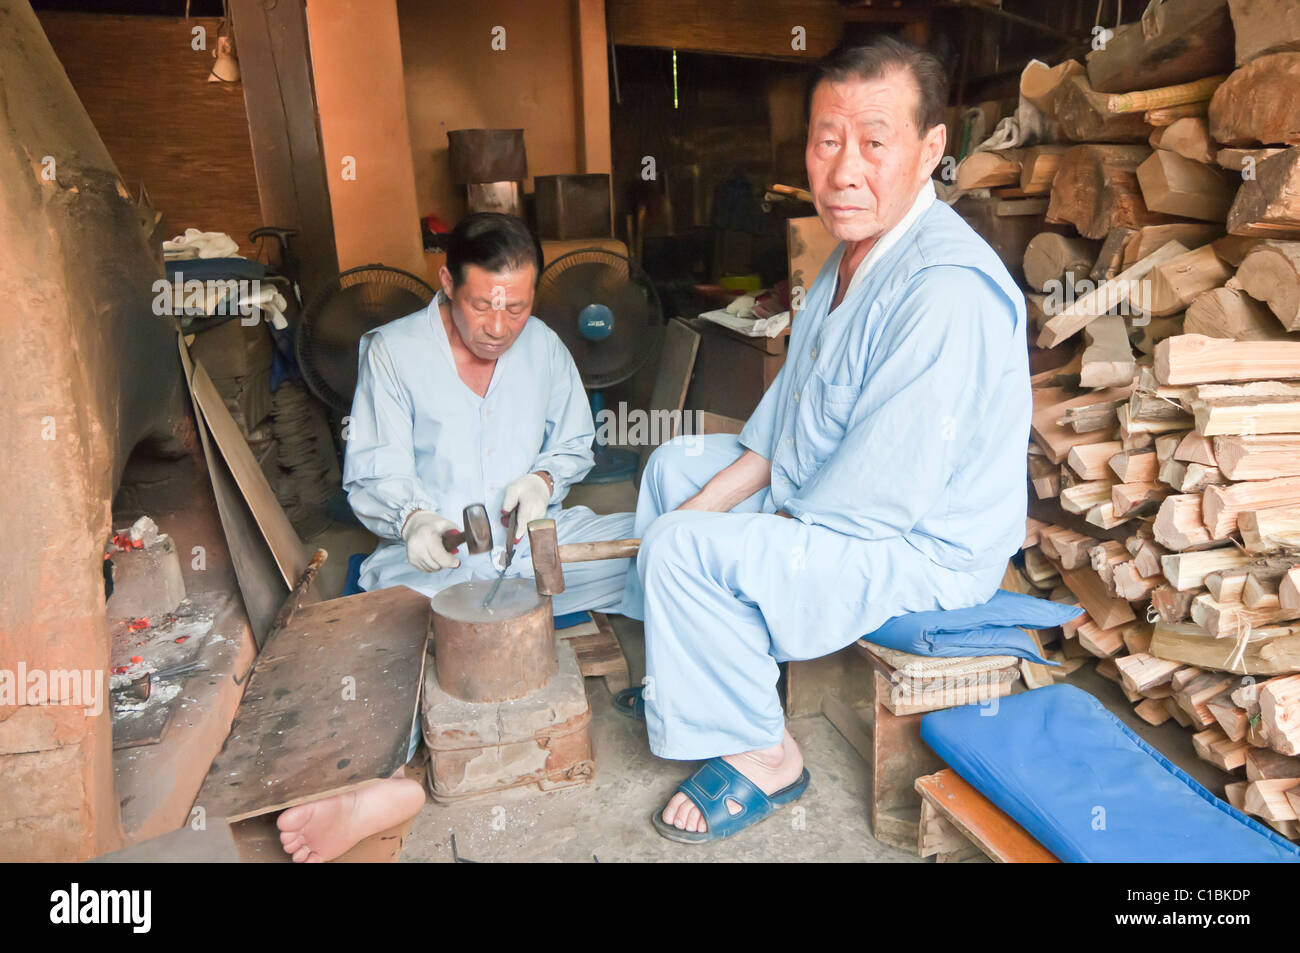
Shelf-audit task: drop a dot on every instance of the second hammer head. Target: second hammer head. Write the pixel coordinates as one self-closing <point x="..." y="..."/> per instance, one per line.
<point x="477" y="534"/>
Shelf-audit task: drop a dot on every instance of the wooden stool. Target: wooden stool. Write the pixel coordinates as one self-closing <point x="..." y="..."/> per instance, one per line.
<point x="905" y="687"/>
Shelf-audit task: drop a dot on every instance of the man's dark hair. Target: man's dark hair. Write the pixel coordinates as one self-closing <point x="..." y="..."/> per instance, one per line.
<point x="493" y="241"/>
<point x="880" y="55"/>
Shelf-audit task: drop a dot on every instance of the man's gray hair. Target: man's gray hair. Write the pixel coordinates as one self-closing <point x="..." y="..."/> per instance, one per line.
<point x="883" y="54"/>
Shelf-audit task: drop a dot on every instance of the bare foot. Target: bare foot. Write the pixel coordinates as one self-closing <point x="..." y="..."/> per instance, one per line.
<point x="322" y="830"/>
<point x="771" y="769"/>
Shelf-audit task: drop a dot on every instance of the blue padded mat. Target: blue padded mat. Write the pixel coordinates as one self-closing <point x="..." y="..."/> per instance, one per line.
<point x="1089" y="789"/>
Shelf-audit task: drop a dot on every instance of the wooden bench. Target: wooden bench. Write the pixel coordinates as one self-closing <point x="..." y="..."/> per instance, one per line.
<point x="958" y="824"/>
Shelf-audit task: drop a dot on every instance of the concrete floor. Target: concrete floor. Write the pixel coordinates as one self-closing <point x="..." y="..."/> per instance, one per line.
<point x="609" y="819"/>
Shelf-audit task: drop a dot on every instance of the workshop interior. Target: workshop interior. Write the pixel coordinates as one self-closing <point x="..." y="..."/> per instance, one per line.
<point x="238" y="239"/>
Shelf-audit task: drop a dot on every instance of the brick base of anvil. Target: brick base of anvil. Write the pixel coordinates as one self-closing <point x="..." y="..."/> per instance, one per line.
<point x="538" y="741"/>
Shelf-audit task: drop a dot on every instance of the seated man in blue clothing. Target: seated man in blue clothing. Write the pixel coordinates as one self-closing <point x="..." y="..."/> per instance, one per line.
<point x="470" y="400"/>
<point x="882" y="473"/>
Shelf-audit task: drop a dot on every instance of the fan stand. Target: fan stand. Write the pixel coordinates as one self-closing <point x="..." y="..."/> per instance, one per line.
<point x="613" y="464"/>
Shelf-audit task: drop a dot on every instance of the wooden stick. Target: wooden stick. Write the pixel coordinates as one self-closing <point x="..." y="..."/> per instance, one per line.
<point x="1142" y="100"/>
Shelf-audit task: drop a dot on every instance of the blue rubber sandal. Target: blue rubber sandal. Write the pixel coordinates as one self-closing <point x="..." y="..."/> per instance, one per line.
<point x="631" y="702"/>
<point x="710" y="788"/>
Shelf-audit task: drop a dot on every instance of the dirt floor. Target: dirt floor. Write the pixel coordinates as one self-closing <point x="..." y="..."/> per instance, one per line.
<point x="608" y="819"/>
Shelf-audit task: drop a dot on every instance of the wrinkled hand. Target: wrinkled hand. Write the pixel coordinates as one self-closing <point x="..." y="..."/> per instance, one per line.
<point x="423" y="536"/>
<point x="532" y="494"/>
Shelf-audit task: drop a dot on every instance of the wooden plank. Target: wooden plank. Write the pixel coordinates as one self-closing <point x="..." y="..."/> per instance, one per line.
<point x="290" y="555"/>
<point x="898" y="758"/>
<point x="277" y="84"/>
<point x="303" y="730"/>
<point x="1196" y="359"/>
<point x="980" y="820"/>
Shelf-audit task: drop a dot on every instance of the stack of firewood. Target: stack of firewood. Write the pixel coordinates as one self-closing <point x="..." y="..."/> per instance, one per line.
<point x="1165" y="463"/>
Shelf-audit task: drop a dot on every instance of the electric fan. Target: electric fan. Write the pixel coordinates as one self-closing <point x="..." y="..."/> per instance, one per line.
<point x="339" y="313"/>
<point x="606" y="311"/>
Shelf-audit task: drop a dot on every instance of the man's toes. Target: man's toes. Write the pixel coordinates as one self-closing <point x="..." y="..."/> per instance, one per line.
<point x="301" y="854"/>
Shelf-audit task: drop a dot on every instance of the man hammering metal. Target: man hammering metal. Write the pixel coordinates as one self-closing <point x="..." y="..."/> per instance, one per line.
<point x="473" y="401"/>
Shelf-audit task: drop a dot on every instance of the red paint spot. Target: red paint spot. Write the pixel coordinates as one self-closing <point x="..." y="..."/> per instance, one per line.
<point x="136" y="660"/>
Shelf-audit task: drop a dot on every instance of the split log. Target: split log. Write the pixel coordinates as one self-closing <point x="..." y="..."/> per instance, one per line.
<point x="1104" y="611"/>
<point x="1111" y="256"/>
<point x="990" y="168"/>
<point x="1188" y="570"/>
<point x="1096" y="189"/>
<point x="1247" y="415"/>
<point x="1214" y="746"/>
<point x="1177" y="282"/>
<point x="1231" y="313"/>
<point x="1084" y="116"/>
<point x="1269" y="799"/>
<point x="1133" y="466"/>
<point x="1268" y="651"/>
<point x="1051" y="257"/>
<point x="1279" y="710"/>
<point x="1178" y="186"/>
<point x="1040" y="83"/>
<point x="1258" y="458"/>
<point x="1189" y="137"/>
<point x="1089" y="461"/>
<point x="1151" y="237"/>
<point x="1268" y="204"/>
<point x="1117" y="293"/>
<point x="1268" y="529"/>
<point x="1264" y="763"/>
<point x="1038" y="168"/>
<point x="1258" y="103"/>
<point x="1196" y="448"/>
<point x="1234" y="248"/>
<point x="1196" y="359"/>
<point x="1174" y="42"/>
<point x="1044" y="477"/>
<point x="1172" y="605"/>
<point x="1178" y="525"/>
<point x="1082" y="497"/>
<point x="1221" y="504"/>
<point x="1229" y="717"/>
<point x="1108" y="358"/>
<point x="1245" y="161"/>
<point x="1224" y="620"/>
<point x="1051" y="435"/>
<point x="1271" y="273"/>
<point x="1264" y="26"/>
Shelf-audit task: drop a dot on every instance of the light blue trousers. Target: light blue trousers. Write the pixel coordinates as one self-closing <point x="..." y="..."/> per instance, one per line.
<point x="726" y="596"/>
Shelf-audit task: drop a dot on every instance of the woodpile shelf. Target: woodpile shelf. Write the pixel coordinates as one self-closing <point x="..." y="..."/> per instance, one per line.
<point x="1164" y="297"/>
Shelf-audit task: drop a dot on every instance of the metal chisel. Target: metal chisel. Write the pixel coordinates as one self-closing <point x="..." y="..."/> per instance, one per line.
<point x="510" y="555"/>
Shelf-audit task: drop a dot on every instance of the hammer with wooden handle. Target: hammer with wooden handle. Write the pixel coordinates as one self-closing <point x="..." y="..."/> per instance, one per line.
<point x="477" y="534"/>
<point x="548" y="554"/>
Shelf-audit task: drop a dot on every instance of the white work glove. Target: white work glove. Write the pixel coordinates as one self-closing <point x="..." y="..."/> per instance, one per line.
<point x="422" y="534"/>
<point x="532" y="495"/>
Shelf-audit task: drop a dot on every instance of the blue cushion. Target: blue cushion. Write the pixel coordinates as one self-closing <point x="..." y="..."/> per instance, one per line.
<point x="1089" y="789"/>
<point x="989" y="629"/>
